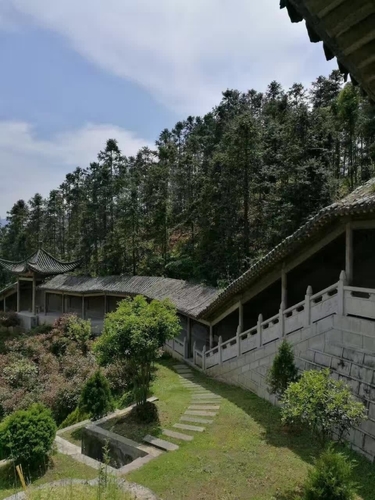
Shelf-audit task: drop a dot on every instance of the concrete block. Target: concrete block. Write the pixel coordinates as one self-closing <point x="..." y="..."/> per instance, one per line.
<point x="352" y="339"/>
<point x="356" y="437"/>
<point x="332" y="349"/>
<point x="203" y="407"/>
<point x="367" y="392"/>
<point x="371" y="411"/>
<point x="200" y="413"/>
<point x="177" y="435"/>
<point x="353" y="355"/>
<point x="361" y="373"/>
<point x="197" y="420"/>
<point x="322" y="359"/>
<point x="353" y="384"/>
<point x="369" y="361"/>
<point x="367" y="327"/>
<point x="363" y="453"/>
<point x="369" y="445"/>
<point x="160" y="443"/>
<point x="309" y="355"/>
<point x="188" y="427"/>
<point x="341" y="366"/>
<point x="369" y="344"/>
<point x="368" y="426"/>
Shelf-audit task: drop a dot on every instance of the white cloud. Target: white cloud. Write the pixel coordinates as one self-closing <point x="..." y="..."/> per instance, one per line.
<point x="183" y="52"/>
<point x="29" y="165"/>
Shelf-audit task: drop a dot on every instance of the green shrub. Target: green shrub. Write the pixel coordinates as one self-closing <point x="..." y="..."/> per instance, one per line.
<point x="8" y="319"/>
<point x="322" y="404"/>
<point x="27" y="435"/>
<point x="135" y="334"/>
<point x="127" y="399"/>
<point x="70" y="328"/>
<point x="21" y="373"/>
<point x="96" y="397"/>
<point x="74" y="417"/>
<point x="331" y="479"/>
<point x="283" y="370"/>
<point x="41" y="329"/>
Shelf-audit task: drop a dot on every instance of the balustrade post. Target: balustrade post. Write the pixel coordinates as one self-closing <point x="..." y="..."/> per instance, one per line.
<point x="238" y="342"/>
<point x="281" y="319"/>
<point x="194" y="356"/>
<point x="185" y="348"/>
<point x="260" y="330"/>
<point x="308" y="295"/>
<point x="173" y="347"/>
<point x="341" y="294"/>
<point x="220" y="351"/>
<point x="204" y="358"/>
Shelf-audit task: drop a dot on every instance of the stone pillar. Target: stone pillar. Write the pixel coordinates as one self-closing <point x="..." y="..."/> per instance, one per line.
<point x="211" y="336"/>
<point x="349" y="253"/>
<point x="105" y="304"/>
<point x="260" y="330"/>
<point x="62" y="303"/>
<point x="284" y="288"/>
<point x="45" y="303"/>
<point x="83" y="307"/>
<point x="220" y="351"/>
<point x="33" y="303"/>
<point x="341" y="294"/>
<point x="5" y="304"/>
<point x="18" y="295"/>
<point x="308" y="295"/>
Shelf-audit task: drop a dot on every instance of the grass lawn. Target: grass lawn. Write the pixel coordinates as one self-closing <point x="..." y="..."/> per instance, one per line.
<point x="244" y="454"/>
<point x="73" y="436"/>
<point x="172" y="403"/>
<point x="80" y="492"/>
<point x="61" y="467"/>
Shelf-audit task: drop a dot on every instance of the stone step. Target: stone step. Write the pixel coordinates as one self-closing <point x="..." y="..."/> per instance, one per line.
<point x="180" y="365"/>
<point x="197" y="420"/>
<point x="204" y="407"/>
<point x="205" y="401"/>
<point x="186" y="376"/>
<point x="201" y="413"/>
<point x="208" y="395"/>
<point x="187" y="427"/>
<point x="183" y="370"/>
<point x="160" y="443"/>
<point x="177" y="435"/>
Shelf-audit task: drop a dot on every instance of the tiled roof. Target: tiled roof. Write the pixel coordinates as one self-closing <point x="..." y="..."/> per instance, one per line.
<point x="187" y="297"/>
<point x="347" y="29"/>
<point x="8" y="288"/>
<point x="360" y="201"/>
<point x="40" y="262"/>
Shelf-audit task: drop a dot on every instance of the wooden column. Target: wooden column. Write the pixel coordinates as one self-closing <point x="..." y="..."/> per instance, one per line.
<point x="211" y="336"/>
<point x="240" y="317"/>
<point x="33" y="303"/>
<point x="349" y="253"/>
<point x="83" y="307"/>
<point x="18" y="295"/>
<point x="105" y="304"/>
<point x="45" y="303"/>
<point x="284" y="288"/>
<point x="62" y="303"/>
<point x="189" y="336"/>
<point x="5" y="304"/>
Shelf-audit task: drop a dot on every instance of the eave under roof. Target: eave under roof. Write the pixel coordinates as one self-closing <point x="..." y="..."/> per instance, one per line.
<point x="40" y="262"/>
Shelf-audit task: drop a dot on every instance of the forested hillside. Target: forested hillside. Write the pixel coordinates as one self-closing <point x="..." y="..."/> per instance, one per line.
<point x="214" y="194"/>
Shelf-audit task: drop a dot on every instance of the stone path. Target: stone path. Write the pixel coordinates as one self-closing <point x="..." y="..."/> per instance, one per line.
<point x="204" y="403"/>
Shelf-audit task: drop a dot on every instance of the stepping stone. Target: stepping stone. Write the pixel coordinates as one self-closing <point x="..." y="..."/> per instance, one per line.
<point x="208" y="395"/>
<point x="180" y="365"/>
<point x="189" y="427"/>
<point x="186" y="375"/>
<point x="183" y="370"/>
<point x="160" y="443"/>
<point x="205" y="401"/>
<point x="197" y="420"/>
<point x="177" y="435"/>
<point x="203" y="407"/>
<point x="201" y="413"/>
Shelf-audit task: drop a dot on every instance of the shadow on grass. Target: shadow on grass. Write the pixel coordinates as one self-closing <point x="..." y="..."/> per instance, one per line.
<point x="9" y="478"/>
<point x="302" y="443"/>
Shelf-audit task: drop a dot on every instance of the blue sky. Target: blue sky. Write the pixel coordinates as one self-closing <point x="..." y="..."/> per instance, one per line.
<point x="75" y="73"/>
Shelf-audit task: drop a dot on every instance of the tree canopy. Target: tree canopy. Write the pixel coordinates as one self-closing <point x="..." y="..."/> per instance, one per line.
<point x="214" y="194"/>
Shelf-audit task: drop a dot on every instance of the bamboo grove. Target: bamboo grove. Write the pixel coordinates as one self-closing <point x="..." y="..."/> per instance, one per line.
<point x="214" y="194"/>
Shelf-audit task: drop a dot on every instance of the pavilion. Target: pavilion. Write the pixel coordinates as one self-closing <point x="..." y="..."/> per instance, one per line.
<point x="31" y="273"/>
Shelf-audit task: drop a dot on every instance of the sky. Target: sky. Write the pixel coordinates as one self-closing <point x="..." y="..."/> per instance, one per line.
<point x="77" y="72"/>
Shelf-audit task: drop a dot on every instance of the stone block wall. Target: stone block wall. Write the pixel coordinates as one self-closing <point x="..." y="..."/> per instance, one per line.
<point x="343" y="344"/>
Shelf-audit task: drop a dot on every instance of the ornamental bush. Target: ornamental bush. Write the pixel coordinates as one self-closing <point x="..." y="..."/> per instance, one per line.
<point x="8" y="319"/>
<point x="331" y="478"/>
<point x="134" y="334"/>
<point x="96" y="398"/>
<point x="27" y="436"/>
<point x="283" y="370"/>
<point x="322" y="404"/>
